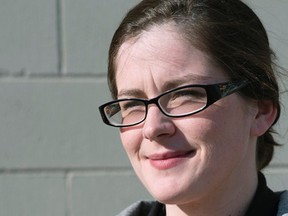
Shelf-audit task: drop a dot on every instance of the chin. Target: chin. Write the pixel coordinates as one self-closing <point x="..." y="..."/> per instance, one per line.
<point x="173" y="199"/>
<point x="171" y="192"/>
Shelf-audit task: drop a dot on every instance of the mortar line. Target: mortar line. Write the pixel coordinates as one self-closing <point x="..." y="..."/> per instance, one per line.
<point x="60" y="37"/>
<point x="59" y="170"/>
<point x="69" y="195"/>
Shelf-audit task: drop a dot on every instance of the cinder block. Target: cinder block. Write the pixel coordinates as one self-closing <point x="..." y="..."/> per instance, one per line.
<point x="31" y="195"/>
<point x="273" y="15"/>
<point x="105" y="194"/>
<point x="56" y="124"/>
<point x="89" y="26"/>
<point x="277" y="179"/>
<point x="28" y="41"/>
<point x="281" y="129"/>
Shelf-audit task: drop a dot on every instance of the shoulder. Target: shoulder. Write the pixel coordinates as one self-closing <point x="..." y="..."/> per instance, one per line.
<point x="143" y="208"/>
<point x="283" y="204"/>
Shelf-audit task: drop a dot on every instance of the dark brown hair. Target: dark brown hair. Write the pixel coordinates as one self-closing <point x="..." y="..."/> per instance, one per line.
<point x="228" y="31"/>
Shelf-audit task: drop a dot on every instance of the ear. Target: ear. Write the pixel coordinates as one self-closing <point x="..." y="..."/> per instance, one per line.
<point x="265" y="117"/>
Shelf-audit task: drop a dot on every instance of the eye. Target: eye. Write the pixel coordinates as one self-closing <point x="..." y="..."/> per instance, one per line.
<point x="193" y="94"/>
<point x="130" y="104"/>
<point x="184" y="100"/>
<point x="131" y="107"/>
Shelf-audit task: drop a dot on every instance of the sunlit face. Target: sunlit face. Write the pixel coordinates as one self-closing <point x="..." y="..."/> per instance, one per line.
<point x="185" y="159"/>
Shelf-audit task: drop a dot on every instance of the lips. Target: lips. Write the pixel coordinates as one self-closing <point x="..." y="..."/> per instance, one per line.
<point x="168" y="155"/>
<point x="168" y="160"/>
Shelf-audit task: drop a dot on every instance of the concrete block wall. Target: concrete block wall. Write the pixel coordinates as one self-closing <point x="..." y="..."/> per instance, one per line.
<point x="56" y="156"/>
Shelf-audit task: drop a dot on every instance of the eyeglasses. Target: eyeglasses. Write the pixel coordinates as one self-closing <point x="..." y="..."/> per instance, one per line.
<point x="178" y="102"/>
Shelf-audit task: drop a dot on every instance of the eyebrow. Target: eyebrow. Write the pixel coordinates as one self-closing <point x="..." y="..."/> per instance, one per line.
<point x="168" y="85"/>
<point x="187" y="79"/>
<point x="130" y="93"/>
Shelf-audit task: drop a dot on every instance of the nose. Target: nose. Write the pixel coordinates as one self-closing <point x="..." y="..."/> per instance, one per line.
<point x="157" y="125"/>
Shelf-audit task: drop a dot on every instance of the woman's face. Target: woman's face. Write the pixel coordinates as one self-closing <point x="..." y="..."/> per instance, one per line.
<point x="190" y="158"/>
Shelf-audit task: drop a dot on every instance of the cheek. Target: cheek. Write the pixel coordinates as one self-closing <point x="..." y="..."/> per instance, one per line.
<point x="131" y="140"/>
<point x="219" y="130"/>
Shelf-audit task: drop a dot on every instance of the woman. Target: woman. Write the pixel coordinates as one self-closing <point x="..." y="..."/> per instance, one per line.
<point x="195" y="98"/>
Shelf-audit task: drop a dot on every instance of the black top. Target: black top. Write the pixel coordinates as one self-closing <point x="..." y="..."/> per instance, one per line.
<point x="264" y="203"/>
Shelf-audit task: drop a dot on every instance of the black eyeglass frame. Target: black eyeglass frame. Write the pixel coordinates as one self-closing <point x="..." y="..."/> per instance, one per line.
<point x="214" y="93"/>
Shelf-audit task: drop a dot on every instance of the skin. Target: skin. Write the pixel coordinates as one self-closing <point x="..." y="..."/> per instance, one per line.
<point x="202" y="164"/>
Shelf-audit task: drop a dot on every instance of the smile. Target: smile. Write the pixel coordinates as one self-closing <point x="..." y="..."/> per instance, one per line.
<point x="169" y="160"/>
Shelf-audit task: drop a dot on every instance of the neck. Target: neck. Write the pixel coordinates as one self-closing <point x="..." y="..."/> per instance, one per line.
<point x="223" y="201"/>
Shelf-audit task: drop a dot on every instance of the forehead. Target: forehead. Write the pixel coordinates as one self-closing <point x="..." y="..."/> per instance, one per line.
<point x="161" y="55"/>
<point x="162" y="41"/>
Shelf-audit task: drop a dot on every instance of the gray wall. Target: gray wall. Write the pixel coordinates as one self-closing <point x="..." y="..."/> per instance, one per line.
<point x="56" y="156"/>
